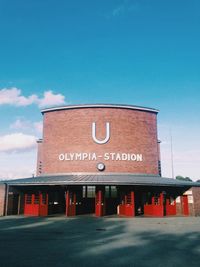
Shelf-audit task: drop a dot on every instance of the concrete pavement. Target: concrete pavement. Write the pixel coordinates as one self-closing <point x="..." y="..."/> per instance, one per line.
<point x="109" y="241"/>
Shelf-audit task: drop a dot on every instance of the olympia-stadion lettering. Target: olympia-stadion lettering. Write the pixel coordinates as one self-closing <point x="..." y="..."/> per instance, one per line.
<point x="105" y="156"/>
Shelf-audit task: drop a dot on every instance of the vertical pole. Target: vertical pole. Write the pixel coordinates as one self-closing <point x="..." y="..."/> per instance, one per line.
<point x="172" y="156"/>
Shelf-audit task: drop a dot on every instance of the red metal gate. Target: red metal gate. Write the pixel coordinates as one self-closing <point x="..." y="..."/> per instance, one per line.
<point x="155" y="207"/>
<point x="127" y="207"/>
<point x="170" y="206"/>
<point x="36" y="204"/>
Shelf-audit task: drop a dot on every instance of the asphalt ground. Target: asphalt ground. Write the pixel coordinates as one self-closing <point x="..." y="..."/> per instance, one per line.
<point x="110" y="241"/>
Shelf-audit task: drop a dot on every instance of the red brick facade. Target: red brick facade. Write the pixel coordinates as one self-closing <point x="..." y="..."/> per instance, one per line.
<point x="70" y="131"/>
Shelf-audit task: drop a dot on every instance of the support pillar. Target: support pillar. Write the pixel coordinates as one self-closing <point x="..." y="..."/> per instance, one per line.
<point x="70" y="203"/>
<point x="99" y="202"/>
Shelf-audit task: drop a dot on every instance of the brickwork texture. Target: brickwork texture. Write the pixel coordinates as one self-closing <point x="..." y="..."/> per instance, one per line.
<point x="70" y="131"/>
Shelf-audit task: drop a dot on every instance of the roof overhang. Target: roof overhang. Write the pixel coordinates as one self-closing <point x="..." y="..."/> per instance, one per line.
<point x="101" y="179"/>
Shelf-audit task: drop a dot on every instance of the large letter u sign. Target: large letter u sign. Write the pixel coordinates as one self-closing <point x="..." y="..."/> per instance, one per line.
<point x="105" y="140"/>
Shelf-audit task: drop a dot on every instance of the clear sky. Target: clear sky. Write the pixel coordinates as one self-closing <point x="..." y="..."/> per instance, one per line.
<point x="108" y="51"/>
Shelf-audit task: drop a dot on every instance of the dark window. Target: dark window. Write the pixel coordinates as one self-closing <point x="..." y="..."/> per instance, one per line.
<point x="107" y="191"/>
<point x="113" y="191"/>
<point x="90" y="191"/>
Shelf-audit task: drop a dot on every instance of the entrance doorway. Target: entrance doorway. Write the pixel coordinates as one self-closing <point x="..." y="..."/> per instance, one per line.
<point x="80" y="200"/>
<point x="57" y="200"/>
<point x="111" y="200"/>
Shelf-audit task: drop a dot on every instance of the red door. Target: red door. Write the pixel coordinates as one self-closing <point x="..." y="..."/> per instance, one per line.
<point x="31" y="206"/>
<point x="185" y="208"/>
<point x="70" y="203"/>
<point x="43" y="207"/>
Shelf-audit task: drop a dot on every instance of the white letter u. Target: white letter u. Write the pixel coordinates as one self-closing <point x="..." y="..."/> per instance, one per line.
<point x="105" y="140"/>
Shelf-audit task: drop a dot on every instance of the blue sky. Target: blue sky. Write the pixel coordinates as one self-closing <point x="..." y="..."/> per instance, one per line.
<point x="116" y="51"/>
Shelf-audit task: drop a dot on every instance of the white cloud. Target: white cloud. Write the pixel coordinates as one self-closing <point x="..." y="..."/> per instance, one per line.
<point x="17" y="165"/>
<point x="12" y="96"/>
<point x="17" y="142"/>
<point x="50" y="99"/>
<point x="21" y="124"/>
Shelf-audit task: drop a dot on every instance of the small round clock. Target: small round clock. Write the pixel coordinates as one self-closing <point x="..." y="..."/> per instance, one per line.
<point x="101" y="166"/>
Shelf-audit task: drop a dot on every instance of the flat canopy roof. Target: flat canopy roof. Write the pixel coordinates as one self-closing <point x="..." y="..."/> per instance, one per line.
<point x="100" y="106"/>
<point x="100" y="179"/>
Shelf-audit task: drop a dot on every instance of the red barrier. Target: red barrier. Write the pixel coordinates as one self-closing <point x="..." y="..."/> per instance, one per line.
<point x="154" y="210"/>
<point x="128" y="208"/>
<point x="170" y="208"/>
<point x="36" y="204"/>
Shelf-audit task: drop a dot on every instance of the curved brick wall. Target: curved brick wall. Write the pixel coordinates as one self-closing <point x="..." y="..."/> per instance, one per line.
<point x="133" y="140"/>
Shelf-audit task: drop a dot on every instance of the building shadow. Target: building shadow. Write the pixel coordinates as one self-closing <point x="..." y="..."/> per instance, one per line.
<point x="89" y="241"/>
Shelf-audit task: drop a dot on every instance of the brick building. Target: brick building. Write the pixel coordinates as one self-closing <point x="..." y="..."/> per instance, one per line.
<point x="100" y="159"/>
